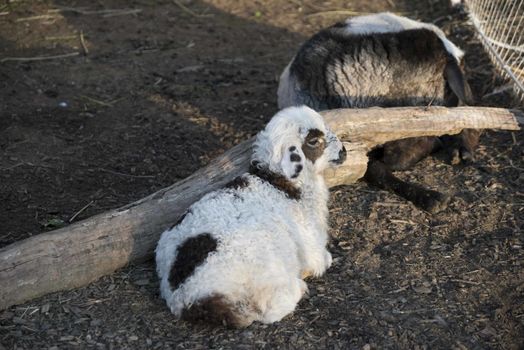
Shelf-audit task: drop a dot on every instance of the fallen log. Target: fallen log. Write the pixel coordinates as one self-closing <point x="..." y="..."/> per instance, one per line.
<point x="79" y="254"/>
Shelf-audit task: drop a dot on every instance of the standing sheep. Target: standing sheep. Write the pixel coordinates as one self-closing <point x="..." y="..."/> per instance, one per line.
<point x="240" y="253"/>
<point x="384" y="60"/>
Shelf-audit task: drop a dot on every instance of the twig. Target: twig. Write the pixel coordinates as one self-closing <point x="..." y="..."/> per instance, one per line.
<point x="26" y="309"/>
<point x="335" y="12"/>
<point x="38" y="58"/>
<point x="189" y="11"/>
<point x="27" y="163"/>
<point x="98" y="102"/>
<point x="80" y="211"/>
<point x="498" y="90"/>
<point x="515" y="167"/>
<point x="63" y="37"/>
<point x="83" y="43"/>
<point x="122" y="13"/>
<point x="6" y="235"/>
<point x="93" y="301"/>
<point x="390" y="204"/>
<point x="190" y="68"/>
<point x="126" y="175"/>
<point x="105" y="13"/>
<point x="300" y="3"/>
<point x="414" y="311"/>
<point x="35" y="18"/>
<point x="458" y="280"/>
<point x="431" y="102"/>
<point x="12" y="166"/>
<point x="440" y="19"/>
<point x="409" y="222"/>
<point x="5" y="13"/>
<point x="401" y="289"/>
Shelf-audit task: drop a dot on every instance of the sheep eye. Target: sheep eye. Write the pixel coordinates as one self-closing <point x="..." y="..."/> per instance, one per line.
<point x="314" y="142"/>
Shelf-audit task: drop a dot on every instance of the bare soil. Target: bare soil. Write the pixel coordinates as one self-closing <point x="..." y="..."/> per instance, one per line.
<point x="154" y="94"/>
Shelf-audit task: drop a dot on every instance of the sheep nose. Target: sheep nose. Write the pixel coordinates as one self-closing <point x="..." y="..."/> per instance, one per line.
<point x="342" y="154"/>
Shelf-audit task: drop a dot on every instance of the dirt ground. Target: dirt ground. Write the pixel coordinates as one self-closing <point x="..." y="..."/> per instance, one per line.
<point x="159" y="88"/>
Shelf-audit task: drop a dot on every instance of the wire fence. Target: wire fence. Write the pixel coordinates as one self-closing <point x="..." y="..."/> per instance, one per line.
<point x="500" y="25"/>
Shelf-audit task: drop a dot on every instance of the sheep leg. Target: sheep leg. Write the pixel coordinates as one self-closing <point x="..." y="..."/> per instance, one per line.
<point x="460" y="147"/>
<point x="404" y="154"/>
<point x="380" y="176"/>
<point x="317" y="267"/>
<point x="284" y="300"/>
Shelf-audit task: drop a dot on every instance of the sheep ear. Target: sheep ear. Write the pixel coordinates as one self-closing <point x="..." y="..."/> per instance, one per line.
<point x="457" y="82"/>
<point x="292" y="162"/>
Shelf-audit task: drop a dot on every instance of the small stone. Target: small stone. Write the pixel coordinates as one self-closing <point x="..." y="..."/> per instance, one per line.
<point x="422" y="289"/>
<point x="45" y="308"/>
<point x="133" y="338"/>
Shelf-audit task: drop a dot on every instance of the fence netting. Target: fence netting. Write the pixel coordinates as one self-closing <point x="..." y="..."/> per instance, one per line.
<point x="500" y="25"/>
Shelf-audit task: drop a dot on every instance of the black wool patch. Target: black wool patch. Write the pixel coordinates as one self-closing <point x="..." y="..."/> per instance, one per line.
<point x="238" y="183"/>
<point x="278" y="181"/>
<point x="215" y="310"/>
<point x="192" y="253"/>
<point x="295" y="157"/>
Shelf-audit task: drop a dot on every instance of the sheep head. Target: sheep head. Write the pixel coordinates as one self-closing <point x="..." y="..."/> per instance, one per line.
<point x="297" y="142"/>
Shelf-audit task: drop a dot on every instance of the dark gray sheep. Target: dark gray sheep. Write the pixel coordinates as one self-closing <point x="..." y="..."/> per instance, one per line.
<point x="384" y="60"/>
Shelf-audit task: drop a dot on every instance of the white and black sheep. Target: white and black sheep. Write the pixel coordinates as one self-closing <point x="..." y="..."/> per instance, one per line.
<point x="384" y="60"/>
<point x="240" y="253"/>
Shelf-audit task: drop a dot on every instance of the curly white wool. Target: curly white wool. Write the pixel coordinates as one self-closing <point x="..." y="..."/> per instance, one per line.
<point x="266" y="241"/>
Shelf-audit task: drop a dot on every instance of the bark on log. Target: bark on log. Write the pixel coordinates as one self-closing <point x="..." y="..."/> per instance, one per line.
<point x="76" y="255"/>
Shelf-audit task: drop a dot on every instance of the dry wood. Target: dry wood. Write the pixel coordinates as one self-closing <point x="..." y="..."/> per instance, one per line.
<point x="83" y="252"/>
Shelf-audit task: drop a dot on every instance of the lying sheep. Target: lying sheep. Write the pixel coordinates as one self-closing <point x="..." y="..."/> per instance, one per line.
<point x="384" y="60"/>
<point x="240" y="253"/>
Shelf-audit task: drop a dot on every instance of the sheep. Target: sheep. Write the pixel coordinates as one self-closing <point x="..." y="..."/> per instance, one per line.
<point x="384" y="60"/>
<point x="240" y="253"/>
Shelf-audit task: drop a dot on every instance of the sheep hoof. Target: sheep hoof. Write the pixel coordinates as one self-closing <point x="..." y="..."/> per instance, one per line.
<point x="434" y="202"/>
<point x="306" y="273"/>
<point x="460" y="156"/>
<point x="329" y="259"/>
<point x="455" y="157"/>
